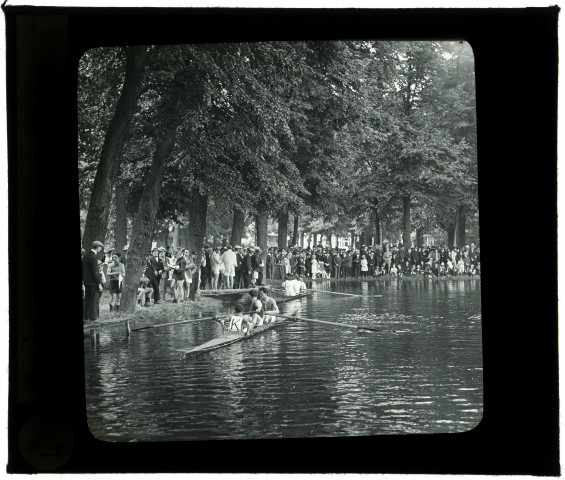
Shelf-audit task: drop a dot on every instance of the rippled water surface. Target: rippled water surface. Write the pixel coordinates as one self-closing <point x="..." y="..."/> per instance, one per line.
<point x="420" y="373"/>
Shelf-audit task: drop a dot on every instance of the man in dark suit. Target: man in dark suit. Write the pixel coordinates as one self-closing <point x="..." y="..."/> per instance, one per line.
<point x="205" y="268"/>
<point x="271" y="261"/>
<point x="336" y="270"/>
<point x="415" y="256"/>
<point x="238" y="283"/>
<point x="257" y="264"/>
<point x="247" y="268"/>
<point x="401" y="254"/>
<point x="92" y="281"/>
<point x="152" y="274"/>
<point x="356" y="264"/>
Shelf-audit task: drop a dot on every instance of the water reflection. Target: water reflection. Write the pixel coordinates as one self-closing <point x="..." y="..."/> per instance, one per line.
<point x="421" y="373"/>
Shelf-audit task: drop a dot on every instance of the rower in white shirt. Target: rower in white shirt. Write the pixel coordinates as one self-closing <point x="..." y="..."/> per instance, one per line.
<point x="299" y="285"/>
<point x="289" y="286"/>
<point x="240" y="322"/>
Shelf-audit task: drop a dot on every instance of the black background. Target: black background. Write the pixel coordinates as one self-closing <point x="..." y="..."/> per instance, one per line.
<point x="516" y="76"/>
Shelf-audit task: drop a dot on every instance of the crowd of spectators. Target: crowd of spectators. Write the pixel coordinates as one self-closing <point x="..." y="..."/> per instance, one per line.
<point x="369" y="261"/>
<point x="169" y="272"/>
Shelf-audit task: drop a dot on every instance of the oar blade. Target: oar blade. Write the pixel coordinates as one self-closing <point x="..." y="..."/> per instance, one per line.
<point x="370" y="329"/>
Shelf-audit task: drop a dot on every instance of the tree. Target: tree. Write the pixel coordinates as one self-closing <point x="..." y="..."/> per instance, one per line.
<point x="99" y="207"/>
<point x="197" y="232"/>
<point x="185" y="92"/>
<point x="121" y="216"/>
<point x="282" y="218"/>
<point x="295" y="237"/>
<point x="409" y="152"/>
<point x="237" y="226"/>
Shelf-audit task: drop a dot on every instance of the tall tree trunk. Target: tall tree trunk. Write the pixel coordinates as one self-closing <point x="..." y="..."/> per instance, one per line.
<point x="144" y="222"/>
<point x="461" y="223"/>
<point x="197" y="233"/>
<point x="353" y="240"/>
<point x="282" y="230"/>
<point x="183" y="236"/>
<point x="378" y="239"/>
<point x="238" y="226"/>
<point x="121" y="217"/>
<point x="168" y="237"/>
<point x="295" y="236"/>
<point x="450" y="234"/>
<point x="314" y="240"/>
<point x="176" y="235"/>
<point x="261" y="226"/>
<point x="111" y="155"/>
<point x="406" y="225"/>
<point x="420" y="236"/>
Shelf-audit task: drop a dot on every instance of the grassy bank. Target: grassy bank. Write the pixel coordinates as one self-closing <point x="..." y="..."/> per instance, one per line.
<point x="160" y="313"/>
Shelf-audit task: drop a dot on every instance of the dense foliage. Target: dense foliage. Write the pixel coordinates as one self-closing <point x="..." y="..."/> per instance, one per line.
<point x="347" y="135"/>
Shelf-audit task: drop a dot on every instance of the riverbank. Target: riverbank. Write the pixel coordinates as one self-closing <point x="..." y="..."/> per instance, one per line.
<point x="168" y="311"/>
<point x="159" y="313"/>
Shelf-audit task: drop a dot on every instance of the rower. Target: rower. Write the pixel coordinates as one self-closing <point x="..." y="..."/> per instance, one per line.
<point x="299" y="285"/>
<point x="270" y="306"/>
<point x="257" y="308"/>
<point x="288" y="285"/>
<point x="239" y="322"/>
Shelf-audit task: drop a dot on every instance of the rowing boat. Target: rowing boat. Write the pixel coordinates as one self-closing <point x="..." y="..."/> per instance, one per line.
<point x="227" y="338"/>
<point x="232" y="291"/>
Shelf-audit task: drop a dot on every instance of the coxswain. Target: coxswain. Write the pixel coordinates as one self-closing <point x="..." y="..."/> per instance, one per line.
<point x="270" y="306"/>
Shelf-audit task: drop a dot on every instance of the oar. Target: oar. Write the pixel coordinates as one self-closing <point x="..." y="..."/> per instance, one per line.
<point x="346" y="294"/>
<point x="192" y="320"/>
<point x="334" y="293"/>
<point x="174" y="323"/>
<point x="355" y="327"/>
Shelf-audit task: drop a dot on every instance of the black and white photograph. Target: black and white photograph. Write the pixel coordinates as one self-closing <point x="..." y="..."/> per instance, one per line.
<point x="312" y="240"/>
<point x="280" y="240"/>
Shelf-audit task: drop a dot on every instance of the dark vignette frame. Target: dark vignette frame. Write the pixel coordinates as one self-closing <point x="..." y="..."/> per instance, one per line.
<point x="516" y="77"/>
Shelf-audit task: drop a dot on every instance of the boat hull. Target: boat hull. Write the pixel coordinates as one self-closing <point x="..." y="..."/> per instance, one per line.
<point x="227" y="338"/>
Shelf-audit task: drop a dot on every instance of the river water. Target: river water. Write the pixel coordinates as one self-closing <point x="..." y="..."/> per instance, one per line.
<point x="420" y="373"/>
